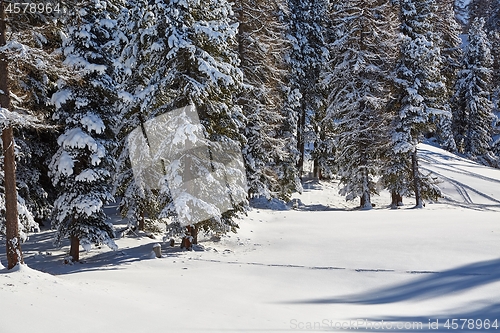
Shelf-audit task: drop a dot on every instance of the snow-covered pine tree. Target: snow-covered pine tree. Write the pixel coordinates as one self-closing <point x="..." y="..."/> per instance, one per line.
<point x="140" y="58"/>
<point x="421" y="93"/>
<point x="447" y="36"/>
<point x="262" y="47"/>
<point x="358" y="83"/>
<point x="480" y="9"/>
<point x="474" y="114"/>
<point x="493" y="26"/>
<point x="35" y="68"/>
<point x="493" y="21"/>
<point x="191" y="61"/>
<point x="32" y="70"/>
<point x="495" y="48"/>
<point x="81" y="169"/>
<point x="203" y="57"/>
<point x="307" y="56"/>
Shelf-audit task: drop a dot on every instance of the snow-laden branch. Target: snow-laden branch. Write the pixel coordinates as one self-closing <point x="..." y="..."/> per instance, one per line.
<point x="15" y="119"/>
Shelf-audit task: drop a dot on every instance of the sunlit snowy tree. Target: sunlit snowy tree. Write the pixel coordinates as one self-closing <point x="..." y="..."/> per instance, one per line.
<point x="140" y="59"/>
<point x="307" y="34"/>
<point x="180" y="54"/>
<point x="358" y="84"/>
<point x="81" y="168"/>
<point x="447" y="36"/>
<point x="270" y="126"/>
<point x="30" y="68"/>
<point x="473" y="117"/>
<point x="421" y="94"/>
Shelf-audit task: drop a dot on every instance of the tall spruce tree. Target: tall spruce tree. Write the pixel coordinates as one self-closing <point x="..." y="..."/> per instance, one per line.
<point x="81" y="169"/>
<point x="139" y="61"/>
<point x="358" y="83"/>
<point x="271" y="168"/>
<point x="447" y="36"/>
<point x="307" y="34"/>
<point x="34" y="74"/>
<point x="29" y="69"/>
<point x="474" y="114"/>
<point x="421" y="93"/>
<point x="183" y="53"/>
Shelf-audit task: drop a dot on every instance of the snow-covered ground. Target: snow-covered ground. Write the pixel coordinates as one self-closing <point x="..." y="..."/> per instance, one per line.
<point x="321" y="265"/>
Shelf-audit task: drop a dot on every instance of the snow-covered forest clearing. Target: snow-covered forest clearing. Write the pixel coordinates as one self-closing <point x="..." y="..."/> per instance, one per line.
<point x="250" y="165"/>
<point x="285" y="268"/>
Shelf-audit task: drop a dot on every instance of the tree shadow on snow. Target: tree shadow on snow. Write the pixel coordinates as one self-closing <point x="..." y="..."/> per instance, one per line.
<point x="40" y="254"/>
<point x="442" y="322"/>
<point x="431" y="285"/>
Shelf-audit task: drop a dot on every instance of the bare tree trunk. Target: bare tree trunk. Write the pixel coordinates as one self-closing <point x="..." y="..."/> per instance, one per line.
<point x="301" y="141"/>
<point x="416" y="179"/>
<point x="396" y="200"/>
<point x="141" y="222"/>
<point x="74" y="250"/>
<point x="14" y="253"/>
<point x="190" y="238"/>
<point x="194" y="233"/>
<point x="316" y="169"/>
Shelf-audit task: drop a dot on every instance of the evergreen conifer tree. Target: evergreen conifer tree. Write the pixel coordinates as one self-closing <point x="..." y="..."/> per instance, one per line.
<point x="307" y="56"/>
<point x="474" y="114"/>
<point x="81" y="169"/>
<point x="421" y="93"/>
<point x="182" y="54"/>
<point x="358" y="85"/>
<point x="28" y="71"/>
<point x="139" y="59"/>
<point x="447" y="36"/>
<point x="270" y="129"/>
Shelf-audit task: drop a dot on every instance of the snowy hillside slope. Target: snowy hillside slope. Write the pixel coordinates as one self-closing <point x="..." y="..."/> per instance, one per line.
<point x="464" y="183"/>
<point x="321" y="265"/>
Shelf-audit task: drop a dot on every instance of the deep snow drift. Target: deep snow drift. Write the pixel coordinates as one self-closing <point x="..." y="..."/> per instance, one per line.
<point x="320" y="265"/>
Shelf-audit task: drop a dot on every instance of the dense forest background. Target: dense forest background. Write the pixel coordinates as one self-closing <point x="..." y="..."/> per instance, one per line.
<point x="353" y="86"/>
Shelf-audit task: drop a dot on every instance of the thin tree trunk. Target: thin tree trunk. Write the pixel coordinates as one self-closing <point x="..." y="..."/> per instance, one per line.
<point x="316" y="169"/>
<point x="74" y="250"/>
<point x="301" y="141"/>
<point x="194" y="234"/>
<point x="416" y="179"/>
<point x="141" y="222"/>
<point x="14" y="253"/>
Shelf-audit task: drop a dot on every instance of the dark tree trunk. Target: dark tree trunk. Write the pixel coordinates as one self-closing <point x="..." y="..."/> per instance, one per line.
<point x="190" y="238"/>
<point x="141" y="222"/>
<point x="194" y="233"/>
<point x="316" y="170"/>
<point x="416" y="179"/>
<point x="74" y="250"/>
<point x="301" y="141"/>
<point x="14" y="253"/>
<point x="396" y="200"/>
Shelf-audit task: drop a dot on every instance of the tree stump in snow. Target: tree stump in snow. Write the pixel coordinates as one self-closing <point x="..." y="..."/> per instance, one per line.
<point x="186" y="242"/>
<point x="190" y="238"/>
<point x="396" y="200"/>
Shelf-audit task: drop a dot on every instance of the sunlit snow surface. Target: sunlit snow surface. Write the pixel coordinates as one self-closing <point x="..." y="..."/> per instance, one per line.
<point x="319" y="264"/>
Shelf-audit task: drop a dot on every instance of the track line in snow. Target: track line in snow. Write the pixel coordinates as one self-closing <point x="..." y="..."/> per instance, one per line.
<point x="357" y="270"/>
<point x="462" y="188"/>
<point x="453" y="168"/>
